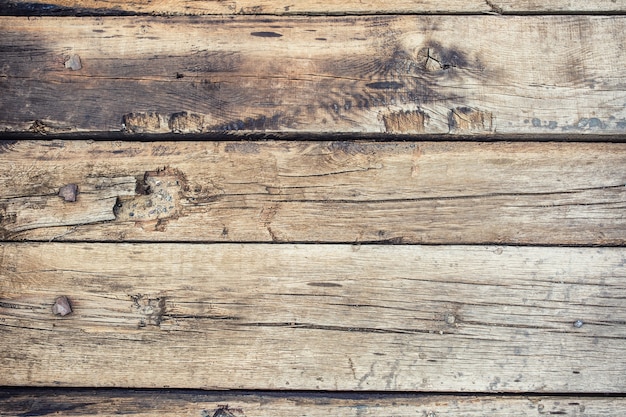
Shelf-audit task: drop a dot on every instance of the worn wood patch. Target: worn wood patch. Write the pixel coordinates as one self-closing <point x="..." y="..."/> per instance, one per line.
<point x="281" y="7"/>
<point x="59" y="402"/>
<point x="326" y="317"/>
<point x="431" y="192"/>
<point x="397" y="75"/>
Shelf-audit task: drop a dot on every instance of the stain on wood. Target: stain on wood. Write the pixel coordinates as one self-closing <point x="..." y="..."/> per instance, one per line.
<point x="238" y="76"/>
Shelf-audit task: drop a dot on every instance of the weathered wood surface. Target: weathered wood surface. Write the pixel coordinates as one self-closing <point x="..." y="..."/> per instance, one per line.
<point x="328" y="317"/>
<point x="501" y="76"/>
<point x="281" y="7"/>
<point x="76" y="403"/>
<point x="430" y="192"/>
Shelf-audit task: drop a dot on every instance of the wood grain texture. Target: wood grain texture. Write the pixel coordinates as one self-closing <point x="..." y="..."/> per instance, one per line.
<point x="396" y="75"/>
<point x="324" y="317"/>
<point x="281" y="7"/>
<point x="76" y="403"/>
<point x="429" y="192"/>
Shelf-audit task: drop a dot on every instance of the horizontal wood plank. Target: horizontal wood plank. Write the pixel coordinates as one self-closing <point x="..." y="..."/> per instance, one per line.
<point x="281" y="7"/>
<point x="430" y="192"/>
<point x="76" y="403"/>
<point x="391" y="75"/>
<point x="323" y="317"/>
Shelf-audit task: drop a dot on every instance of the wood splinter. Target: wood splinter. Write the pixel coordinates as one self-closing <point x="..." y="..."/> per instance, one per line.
<point x="61" y="306"/>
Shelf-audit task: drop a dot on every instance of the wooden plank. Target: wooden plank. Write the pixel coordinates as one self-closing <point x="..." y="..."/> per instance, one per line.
<point x="393" y="75"/>
<point x="324" y="317"/>
<point x="430" y="192"/>
<point x="20" y="402"/>
<point x="281" y="7"/>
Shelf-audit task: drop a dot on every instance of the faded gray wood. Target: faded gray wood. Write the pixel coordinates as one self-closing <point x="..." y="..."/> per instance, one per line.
<point x="495" y="76"/>
<point x="19" y="402"/>
<point x="433" y="192"/>
<point x="327" y="317"/>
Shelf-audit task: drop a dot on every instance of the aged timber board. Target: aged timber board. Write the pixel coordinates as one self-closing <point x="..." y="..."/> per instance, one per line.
<point x="328" y="317"/>
<point x="282" y="7"/>
<point x="407" y="75"/>
<point x="23" y="402"/>
<point x="355" y="192"/>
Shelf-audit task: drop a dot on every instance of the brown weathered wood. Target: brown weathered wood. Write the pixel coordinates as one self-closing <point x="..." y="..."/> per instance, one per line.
<point x="329" y="317"/>
<point x="431" y="192"/>
<point x="59" y="402"/>
<point x="281" y="7"/>
<point x="460" y="75"/>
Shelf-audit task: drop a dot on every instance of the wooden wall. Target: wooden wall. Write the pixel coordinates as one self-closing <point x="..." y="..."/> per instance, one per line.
<point x="263" y="208"/>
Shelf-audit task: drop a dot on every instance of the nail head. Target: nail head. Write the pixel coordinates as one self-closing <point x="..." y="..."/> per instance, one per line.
<point x="62" y="306"/>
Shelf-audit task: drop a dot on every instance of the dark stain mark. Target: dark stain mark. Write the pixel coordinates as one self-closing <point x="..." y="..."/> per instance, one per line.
<point x="620" y="125"/>
<point x="536" y="122"/>
<point x="223" y="410"/>
<point x="592" y="123"/>
<point x="243" y="147"/>
<point x="43" y="407"/>
<point x="179" y="76"/>
<point x="595" y="122"/>
<point x="209" y="85"/>
<point x="30" y="9"/>
<point x="324" y="284"/>
<point x="7" y="145"/>
<point x="552" y="124"/>
<point x="98" y="30"/>
<point x="385" y="85"/>
<point x="142" y="187"/>
<point x="320" y="39"/>
<point x="259" y="123"/>
<point x="266" y="34"/>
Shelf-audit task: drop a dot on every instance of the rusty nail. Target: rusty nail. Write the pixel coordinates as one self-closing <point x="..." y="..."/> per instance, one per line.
<point x="69" y="192"/>
<point x="62" y="306"/>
